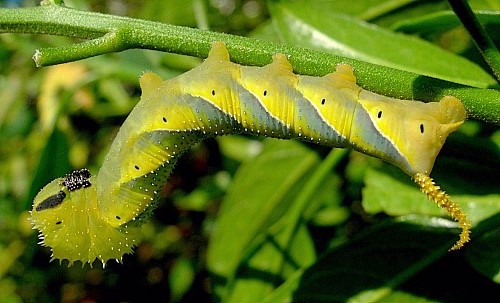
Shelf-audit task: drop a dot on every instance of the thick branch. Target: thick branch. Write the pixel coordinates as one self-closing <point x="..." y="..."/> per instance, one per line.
<point x="108" y="33"/>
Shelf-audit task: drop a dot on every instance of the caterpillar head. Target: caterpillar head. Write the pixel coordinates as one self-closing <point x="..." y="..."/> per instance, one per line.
<point x="69" y="221"/>
<point x="413" y="131"/>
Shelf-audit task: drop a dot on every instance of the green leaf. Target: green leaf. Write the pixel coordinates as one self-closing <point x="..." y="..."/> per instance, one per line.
<point x="56" y="147"/>
<point x="261" y="237"/>
<point x="442" y="21"/>
<point x="285" y="291"/>
<point x="387" y="193"/>
<point x="261" y="192"/>
<point x="180" y="279"/>
<point x="239" y="148"/>
<point x="395" y="197"/>
<point x="267" y="267"/>
<point x="399" y="296"/>
<point x="484" y="254"/>
<point x="367" y="269"/>
<point x="319" y="27"/>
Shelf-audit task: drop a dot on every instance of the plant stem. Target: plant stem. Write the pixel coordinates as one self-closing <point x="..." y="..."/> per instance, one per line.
<point x="483" y="42"/>
<point x="108" y="33"/>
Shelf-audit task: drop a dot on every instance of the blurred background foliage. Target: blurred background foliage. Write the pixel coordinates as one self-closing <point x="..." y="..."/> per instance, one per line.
<point x="246" y="219"/>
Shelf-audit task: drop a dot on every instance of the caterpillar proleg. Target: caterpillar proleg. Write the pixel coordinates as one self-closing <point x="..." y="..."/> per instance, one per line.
<point x="83" y="217"/>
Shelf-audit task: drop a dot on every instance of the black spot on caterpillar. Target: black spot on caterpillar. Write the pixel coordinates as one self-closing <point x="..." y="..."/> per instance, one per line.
<point x="51" y="201"/>
<point x="99" y="213"/>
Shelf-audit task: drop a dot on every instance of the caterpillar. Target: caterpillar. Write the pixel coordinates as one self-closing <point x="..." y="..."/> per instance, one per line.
<point x="84" y="217"/>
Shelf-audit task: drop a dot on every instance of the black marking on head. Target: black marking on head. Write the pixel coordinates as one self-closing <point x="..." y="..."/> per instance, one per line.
<point x="323" y="101"/>
<point x="77" y="179"/>
<point x="421" y="128"/>
<point x="265" y="93"/>
<point x="213" y="92"/>
<point x="164" y="119"/>
<point x="136" y="167"/>
<point x="51" y="201"/>
<point x="58" y="222"/>
<point x="118" y="217"/>
<point x="379" y="115"/>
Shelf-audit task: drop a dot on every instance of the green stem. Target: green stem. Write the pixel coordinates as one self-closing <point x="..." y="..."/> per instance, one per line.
<point x="108" y="33"/>
<point x="481" y="39"/>
<point x="108" y="43"/>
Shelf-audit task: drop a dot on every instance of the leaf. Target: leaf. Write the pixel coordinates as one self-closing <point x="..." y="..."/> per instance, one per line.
<point x="319" y="27"/>
<point x="484" y="254"/>
<point x="399" y="296"/>
<point x="386" y="193"/>
<point x="442" y="21"/>
<point x="267" y="267"/>
<point x="258" y="248"/>
<point x="395" y="197"/>
<point x="367" y="269"/>
<point x="259" y="196"/>
<point x="181" y="278"/>
<point x="239" y="148"/>
<point x="56" y="147"/>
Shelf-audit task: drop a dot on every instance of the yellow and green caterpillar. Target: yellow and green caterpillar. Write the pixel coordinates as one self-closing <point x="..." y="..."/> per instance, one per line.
<point x="83" y="217"/>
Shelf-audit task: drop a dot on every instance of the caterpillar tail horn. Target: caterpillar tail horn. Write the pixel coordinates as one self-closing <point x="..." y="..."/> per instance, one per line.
<point x="438" y="196"/>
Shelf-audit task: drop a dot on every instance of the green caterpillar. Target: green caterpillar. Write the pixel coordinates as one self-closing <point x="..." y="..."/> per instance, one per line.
<point x="83" y="217"/>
